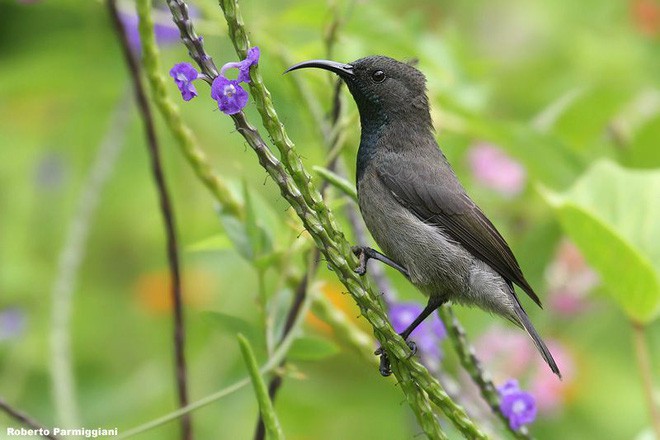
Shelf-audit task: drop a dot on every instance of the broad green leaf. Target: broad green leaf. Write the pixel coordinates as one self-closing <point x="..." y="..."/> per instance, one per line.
<point x="613" y="215"/>
<point x="644" y="149"/>
<point x="312" y="348"/>
<point x="585" y="120"/>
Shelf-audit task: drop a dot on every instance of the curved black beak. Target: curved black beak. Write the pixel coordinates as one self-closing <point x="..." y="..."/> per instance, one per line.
<point x="341" y="69"/>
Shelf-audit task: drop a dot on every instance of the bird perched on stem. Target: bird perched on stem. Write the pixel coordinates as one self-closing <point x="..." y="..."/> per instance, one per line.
<point x="414" y="206"/>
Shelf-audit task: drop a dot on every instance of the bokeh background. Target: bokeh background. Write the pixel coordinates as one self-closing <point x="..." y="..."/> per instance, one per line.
<point x="526" y="96"/>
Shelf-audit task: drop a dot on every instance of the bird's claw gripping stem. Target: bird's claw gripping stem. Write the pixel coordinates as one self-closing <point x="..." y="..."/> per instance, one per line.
<point x="365" y="253"/>
<point x="385" y="368"/>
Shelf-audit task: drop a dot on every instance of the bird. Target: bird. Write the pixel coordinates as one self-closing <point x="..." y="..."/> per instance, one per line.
<point x="416" y="209"/>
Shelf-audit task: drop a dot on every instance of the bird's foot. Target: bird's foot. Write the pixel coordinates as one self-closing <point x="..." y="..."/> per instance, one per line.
<point x="413" y="349"/>
<point x="365" y="253"/>
<point x="385" y="367"/>
<point x="361" y="254"/>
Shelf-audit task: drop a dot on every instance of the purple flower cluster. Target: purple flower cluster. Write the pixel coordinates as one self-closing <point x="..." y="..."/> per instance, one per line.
<point x="228" y="93"/>
<point x="427" y="335"/>
<point x="517" y="405"/>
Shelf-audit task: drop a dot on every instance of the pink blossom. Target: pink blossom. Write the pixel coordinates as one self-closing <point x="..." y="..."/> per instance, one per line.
<point x="494" y="169"/>
<point x="569" y="280"/>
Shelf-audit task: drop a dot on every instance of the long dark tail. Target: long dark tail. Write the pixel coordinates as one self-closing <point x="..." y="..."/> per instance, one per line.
<point x="524" y="321"/>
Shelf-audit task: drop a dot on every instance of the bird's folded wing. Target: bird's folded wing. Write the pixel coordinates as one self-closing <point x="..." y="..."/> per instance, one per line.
<point x="435" y="196"/>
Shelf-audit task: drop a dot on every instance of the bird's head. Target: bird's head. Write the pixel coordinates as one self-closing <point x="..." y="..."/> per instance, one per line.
<point x="381" y="86"/>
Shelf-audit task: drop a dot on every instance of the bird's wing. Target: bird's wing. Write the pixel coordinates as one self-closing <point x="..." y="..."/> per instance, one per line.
<point x="433" y="193"/>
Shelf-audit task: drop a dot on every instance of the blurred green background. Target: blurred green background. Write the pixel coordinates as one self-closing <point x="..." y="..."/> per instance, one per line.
<point x="554" y="86"/>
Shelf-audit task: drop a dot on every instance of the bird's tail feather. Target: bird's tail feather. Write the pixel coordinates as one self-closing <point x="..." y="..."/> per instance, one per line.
<point x="524" y="321"/>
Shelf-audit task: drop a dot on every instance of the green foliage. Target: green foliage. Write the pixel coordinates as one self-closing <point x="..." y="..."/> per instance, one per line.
<point x="233" y="325"/>
<point x="312" y="348"/>
<point x="613" y="215"/>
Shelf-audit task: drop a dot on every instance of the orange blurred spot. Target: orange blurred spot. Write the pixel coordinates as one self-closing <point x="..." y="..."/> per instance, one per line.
<point x="153" y="290"/>
<point x="646" y="15"/>
<point x="340" y="299"/>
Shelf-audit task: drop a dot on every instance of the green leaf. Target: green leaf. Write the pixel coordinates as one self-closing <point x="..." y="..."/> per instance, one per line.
<point x="312" y="348"/>
<point x="586" y="117"/>
<point x="232" y="325"/>
<point x="644" y="151"/>
<point x="237" y="233"/>
<point x="217" y="242"/>
<point x="613" y="215"/>
<point x="253" y="231"/>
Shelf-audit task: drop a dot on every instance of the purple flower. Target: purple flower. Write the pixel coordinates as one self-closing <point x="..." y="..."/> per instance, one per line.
<point x="184" y="74"/>
<point x="12" y="323"/>
<point x="231" y="97"/>
<point x="427" y="335"/>
<point x="251" y="60"/>
<point x="518" y="405"/>
<point x="508" y="352"/>
<point x="494" y="169"/>
<point x="243" y="66"/>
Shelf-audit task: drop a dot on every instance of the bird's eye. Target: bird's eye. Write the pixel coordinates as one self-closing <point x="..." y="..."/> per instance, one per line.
<point x="378" y="76"/>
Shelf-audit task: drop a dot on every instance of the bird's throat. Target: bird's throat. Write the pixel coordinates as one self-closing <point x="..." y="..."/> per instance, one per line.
<point x="373" y="126"/>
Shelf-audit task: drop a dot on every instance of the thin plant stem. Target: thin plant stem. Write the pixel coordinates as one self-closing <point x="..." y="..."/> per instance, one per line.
<point x="645" y="370"/>
<point x="26" y="420"/>
<point x="472" y="365"/>
<point x="70" y="258"/>
<point x="299" y="299"/>
<point x="345" y="330"/>
<point x="167" y="213"/>
<point x="271" y="364"/>
<point x="268" y="416"/>
<point x="262" y="298"/>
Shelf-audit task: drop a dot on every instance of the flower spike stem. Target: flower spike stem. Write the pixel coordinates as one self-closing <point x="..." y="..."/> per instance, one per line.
<point x="473" y="366"/>
<point x="193" y="42"/>
<point x="184" y="136"/>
